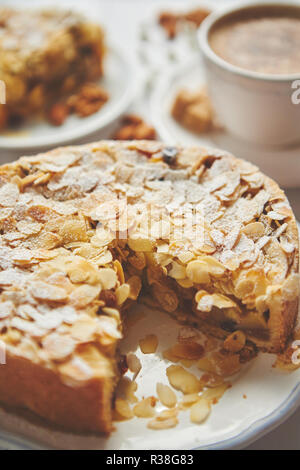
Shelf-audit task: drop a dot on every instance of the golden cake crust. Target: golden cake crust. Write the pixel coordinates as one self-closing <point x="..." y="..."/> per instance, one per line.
<point x="86" y="408"/>
<point x="71" y="262"/>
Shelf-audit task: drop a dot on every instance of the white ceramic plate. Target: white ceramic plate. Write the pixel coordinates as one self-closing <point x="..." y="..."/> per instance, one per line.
<point x="234" y="422"/>
<point x="118" y="81"/>
<point x="282" y="164"/>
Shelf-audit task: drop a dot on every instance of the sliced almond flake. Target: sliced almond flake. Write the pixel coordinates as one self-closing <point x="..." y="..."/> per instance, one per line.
<point x="27" y="311"/>
<point x="188" y="400"/>
<point x="213" y="395"/>
<point x="275" y="215"/>
<point x="211" y="207"/>
<point x="28" y="349"/>
<point x="283" y="208"/>
<point x="145" y="408"/>
<point x="28" y="227"/>
<point x="254" y="230"/>
<point x="112" y="312"/>
<point x="103" y="259"/>
<point x="262" y="242"/>
<point x="230" y="260"/>
<point x="232" y="237"/>
<point x="58" y="347"/>
<point x="84" y="295"/>
<point x="102" y="238"/>
<point x="22" y="256"/>
<point x="6" y="309"/>
<point x="42" y="291"/>
<point x="222" y="301"/>
<point x="43" y="179"/>
<point x="60" y="164"/>
<point x="108" y="326"/>
<point x="185" y="257"/>
<point x="194" y="192"/>
<point x="232" y="182"/>
<point x="10" y="277"/>
<point x="108" y="278"/>
<point x="182" y="380"/>
<point x="28" y="327"/>
<point x="286" y="245"/>
<point x="200" y="411"/>
<point x="291" y="287"/>
<point x="50" y="321"/>
<point x="197" y="271"/>
<point x="177" y="271"/>
<point x="244" y="244"/>
<point x="12" y="236"/>
<point x="162" y="247"/>
<point x="167" y="414"/>
<point x="247" y="168"/>
<point x="122" y="293"/>
<point x="166" y="395"/>
<point x="162" y="424"/>
<point x="219" y="167"/>
<point x="223" y="198"/>
<point x="9" y="194"/>
<point x="205" y="304"/>
<point x="217" y="236"/>
<point x="44" y="255"/>
<point x="281" y="229"/>
<point x="75" y="175"/>
<point x="123" y="409"/>
<point x="216" y="183"/>
<point x="84" y="329"/>
<point x="255" y="180"/>
<point x="5" y="213"/>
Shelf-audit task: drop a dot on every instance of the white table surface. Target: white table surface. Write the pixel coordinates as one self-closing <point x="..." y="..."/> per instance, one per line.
<point x="122" y="19"/>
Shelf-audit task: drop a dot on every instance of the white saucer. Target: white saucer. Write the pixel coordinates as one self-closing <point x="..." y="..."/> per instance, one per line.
<point x="281" y="164"/>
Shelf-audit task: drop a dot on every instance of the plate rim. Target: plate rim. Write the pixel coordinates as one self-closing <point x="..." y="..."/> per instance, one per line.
<point x="85" y="129"/>
<point x="261" y="426"/>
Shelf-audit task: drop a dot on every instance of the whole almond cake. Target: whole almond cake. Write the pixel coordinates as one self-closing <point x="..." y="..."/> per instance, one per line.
<point x="85" y="229"/>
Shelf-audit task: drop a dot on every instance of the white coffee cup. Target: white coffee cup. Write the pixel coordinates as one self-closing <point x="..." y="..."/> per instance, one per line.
<point x="255" y="107"/>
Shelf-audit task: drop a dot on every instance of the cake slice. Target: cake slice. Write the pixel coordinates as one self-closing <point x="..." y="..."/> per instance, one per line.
<point x="44" y="56"/>
<point x="85" y="230"/>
